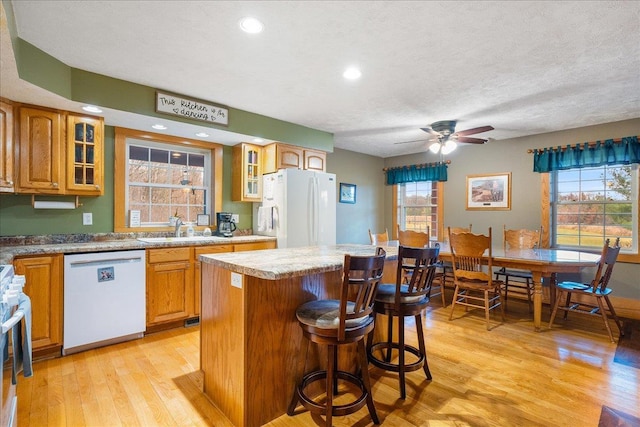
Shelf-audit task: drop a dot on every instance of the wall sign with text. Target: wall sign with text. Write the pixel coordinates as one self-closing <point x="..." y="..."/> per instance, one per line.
<point x="191" y="109"/>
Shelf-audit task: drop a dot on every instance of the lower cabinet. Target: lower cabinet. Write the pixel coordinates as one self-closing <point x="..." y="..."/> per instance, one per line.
<point x="44" y="283"/>
<point x="169" y="285"/>
<point x="197" y="278"/>
<point x="174" y="280"/>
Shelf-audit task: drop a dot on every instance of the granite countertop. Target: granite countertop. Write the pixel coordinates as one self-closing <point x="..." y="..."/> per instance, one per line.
<point x="274" y="264"/>
<point x="11" y="247"/>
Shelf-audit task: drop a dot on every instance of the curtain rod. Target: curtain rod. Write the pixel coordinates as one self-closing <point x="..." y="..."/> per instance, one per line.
<point x="448" y="162"/>
<point x="580" y="145"/>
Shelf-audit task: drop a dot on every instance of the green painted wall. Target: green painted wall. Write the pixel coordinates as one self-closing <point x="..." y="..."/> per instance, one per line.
<point x="18" y="218"/>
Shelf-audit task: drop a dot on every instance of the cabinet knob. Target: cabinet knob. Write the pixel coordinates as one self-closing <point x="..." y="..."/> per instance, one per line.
<point x="97" y="187"/>
<point x="55" y="184"/>
<point x="10" y="183"/>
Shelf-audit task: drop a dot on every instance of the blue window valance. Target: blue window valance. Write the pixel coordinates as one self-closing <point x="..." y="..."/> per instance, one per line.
<point x="623" y="151"/>
<point x="416" y="173"/>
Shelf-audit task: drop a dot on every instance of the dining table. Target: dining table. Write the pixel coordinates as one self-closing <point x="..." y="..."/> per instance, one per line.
<point x="543" y="264"/>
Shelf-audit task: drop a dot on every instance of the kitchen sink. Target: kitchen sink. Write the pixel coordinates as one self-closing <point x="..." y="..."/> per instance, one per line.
<point x="183" y="239"/>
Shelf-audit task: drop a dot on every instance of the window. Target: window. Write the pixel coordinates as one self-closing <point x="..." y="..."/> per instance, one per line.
<point x="419" y="205"/>
<point x="160" y="176"/>
<point x="165" y="181"/>
<point x="590" y="205"/>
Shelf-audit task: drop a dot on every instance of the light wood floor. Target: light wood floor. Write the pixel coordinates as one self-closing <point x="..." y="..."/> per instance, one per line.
<point x="509" y="376"/>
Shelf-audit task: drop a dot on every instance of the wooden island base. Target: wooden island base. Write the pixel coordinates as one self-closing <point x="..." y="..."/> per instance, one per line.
<point x="250" y="339"/>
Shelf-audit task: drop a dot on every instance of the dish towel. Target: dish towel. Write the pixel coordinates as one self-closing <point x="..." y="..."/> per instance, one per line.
<point x="22" y="344"/>
<point x="265" y="218"/>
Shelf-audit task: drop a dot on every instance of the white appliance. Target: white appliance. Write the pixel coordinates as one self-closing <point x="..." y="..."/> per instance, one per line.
<point x="298" y="208"/>
<point x="104" y="299"/>
<point x="14" y="306"/>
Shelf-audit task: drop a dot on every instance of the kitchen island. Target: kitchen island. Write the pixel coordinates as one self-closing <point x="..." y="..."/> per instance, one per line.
<point x="249" y="337"/>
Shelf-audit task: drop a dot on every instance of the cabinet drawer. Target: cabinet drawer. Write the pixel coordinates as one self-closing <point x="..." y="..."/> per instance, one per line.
<point x="168" y="255"/>
<point x="199" y="250"/>
<point x="254" y="246"/>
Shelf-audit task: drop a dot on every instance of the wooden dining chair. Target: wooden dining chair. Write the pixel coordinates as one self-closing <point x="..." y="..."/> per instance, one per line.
<point x="591" y="295"/>
<point x="520" y="281"/>
<point x="471" y="260"/>
<point x="337" y="323"/>
<point x="446" y="270"/>
<point x="402" y="300"/>
<point x="379" y="238"/>
<point x="413" y="239"/>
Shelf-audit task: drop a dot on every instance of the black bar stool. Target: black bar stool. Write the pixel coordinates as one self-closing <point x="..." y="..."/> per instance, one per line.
<point x="401" y="300"/>
<point x="337" y="322"/>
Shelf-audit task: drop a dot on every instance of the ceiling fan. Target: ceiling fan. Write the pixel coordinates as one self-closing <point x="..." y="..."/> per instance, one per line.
<point x="446" y="138"/>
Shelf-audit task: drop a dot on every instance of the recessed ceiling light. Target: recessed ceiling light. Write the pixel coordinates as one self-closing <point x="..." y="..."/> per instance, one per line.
<point x="258" y="140"/>
<point x="352" y="73"/>
<point x="91" y="109"/>
<point x="202" y="134"/>
<point x="251" y="25"/>
<point x="159" y="127"/>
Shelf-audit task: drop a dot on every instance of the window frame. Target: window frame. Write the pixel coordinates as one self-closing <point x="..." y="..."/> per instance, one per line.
<point x="548" y="222"/>
<point x="439" y="210"/>
<point x="120" y="224"/>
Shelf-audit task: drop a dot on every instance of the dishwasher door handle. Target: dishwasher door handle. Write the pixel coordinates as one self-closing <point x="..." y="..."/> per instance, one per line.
<point x="92" y="262"/>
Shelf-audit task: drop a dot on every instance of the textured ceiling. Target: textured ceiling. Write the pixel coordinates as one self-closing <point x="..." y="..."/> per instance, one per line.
<point x="522" y="67"/>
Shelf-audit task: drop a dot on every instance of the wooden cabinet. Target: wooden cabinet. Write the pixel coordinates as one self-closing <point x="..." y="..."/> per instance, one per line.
<point x="43" y="275"/>
<point x="40" y="152"/>
<point x="254" y="246"/>
<point x="85" y="157"/>
<point x="169" y="285"/>
<point x="247" y="173"/>
<point x="315" y="160"/>
<point x="174" y="280"/>
<point x="6" y="147"/>
<point x="48" y="162"/>
<point x="197" y="264"/>
<point x="282" y="156"/>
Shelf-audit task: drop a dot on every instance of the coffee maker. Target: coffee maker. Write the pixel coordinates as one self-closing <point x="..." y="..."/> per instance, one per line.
<point x="225" y="226"/>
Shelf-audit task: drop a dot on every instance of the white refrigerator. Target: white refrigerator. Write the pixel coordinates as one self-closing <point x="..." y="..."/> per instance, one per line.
<point x="298" y="208"/>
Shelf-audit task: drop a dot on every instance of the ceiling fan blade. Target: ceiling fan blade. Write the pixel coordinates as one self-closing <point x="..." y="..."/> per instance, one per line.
<point x="474" y="130"/>
<point x="469" y="140"/>
<point x="416" y="140"/>
<point x="430" y="131"/>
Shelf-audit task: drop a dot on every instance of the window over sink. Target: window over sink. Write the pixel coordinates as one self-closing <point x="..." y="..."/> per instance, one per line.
<point x="163" y="176"/>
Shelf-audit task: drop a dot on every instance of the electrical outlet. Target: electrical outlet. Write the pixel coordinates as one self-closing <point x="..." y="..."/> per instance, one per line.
<point x="87" y="218"/>
<point x="236" y="280"/>
<point x="235" y="218"/>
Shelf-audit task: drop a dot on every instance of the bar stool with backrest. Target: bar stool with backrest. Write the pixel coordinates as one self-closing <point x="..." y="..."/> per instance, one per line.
<point x="335" y="323"/>
<point x="401" y="300"/>
<point x="379" y="238"/>
<point x="473" y="278"/>
<point x="519" y="280"/>
<point x="592" y="294"/>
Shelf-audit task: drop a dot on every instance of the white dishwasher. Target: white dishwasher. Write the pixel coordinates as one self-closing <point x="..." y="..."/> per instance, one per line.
<point x="104" y="299"/>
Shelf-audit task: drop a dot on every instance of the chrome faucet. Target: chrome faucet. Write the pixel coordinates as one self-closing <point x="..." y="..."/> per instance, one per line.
<point x="178" y="224"/>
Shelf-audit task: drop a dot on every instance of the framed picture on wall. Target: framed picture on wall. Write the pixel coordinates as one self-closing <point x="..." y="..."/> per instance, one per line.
<point x="489" y="192"/>
<point x="347" y="193"/>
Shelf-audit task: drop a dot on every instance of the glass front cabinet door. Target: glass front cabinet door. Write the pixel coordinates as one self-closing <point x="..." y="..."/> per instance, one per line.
<point x="85" y="156"/>
<point x="247" y="173"/>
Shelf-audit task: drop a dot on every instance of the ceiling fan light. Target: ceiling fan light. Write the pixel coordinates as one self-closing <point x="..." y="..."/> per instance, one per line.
<point x="448" y="147"/>
<point x="435" y="148"/>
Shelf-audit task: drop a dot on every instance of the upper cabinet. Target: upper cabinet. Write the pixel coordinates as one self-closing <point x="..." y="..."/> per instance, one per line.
<point x="84" y="155"/>
<point x="40" y="152"/>
<point x="315" y="160"/>
<point x="6" y="147"/>
<point x="58" y="153"/>
<point x="282" y="156"/>
<point x="247" y="173"/>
